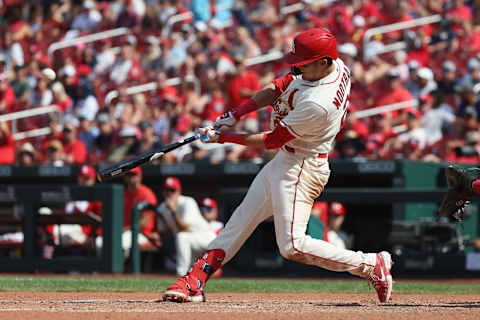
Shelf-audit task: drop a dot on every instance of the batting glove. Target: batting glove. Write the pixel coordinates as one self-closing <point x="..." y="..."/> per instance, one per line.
<point x="208" y="135"/>
<point x="225" y="121"/>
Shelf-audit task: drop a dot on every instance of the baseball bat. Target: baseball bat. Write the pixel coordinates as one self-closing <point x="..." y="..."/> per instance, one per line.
<point x="124" y="166"/>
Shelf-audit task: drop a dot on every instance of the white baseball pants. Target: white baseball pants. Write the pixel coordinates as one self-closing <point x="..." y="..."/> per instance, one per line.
<point x="287" y="187"/>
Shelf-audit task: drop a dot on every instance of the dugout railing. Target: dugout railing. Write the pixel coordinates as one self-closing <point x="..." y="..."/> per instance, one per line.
<point x="31" y="197"/>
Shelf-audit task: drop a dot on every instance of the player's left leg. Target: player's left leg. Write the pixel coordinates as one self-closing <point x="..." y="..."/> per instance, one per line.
<point x="187" y="244"/>
<point x="294" y="193"/>
<point x="255" y="207"/>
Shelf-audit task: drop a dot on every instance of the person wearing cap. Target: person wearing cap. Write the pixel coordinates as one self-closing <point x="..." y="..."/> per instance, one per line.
<point x="75" y="234"/>
<point x="7" y="144"/>
<point x="148" y="141"/>
<point x="135" y="192"/>
<point x="336" y="216"/>
<point x="104" y="141"/>
<point x="26" y="155"/>
<point x="180" y="215"/>
<point x="209" y="210"/>
<point x="468" y="98"/>
<point x="448" y="80"/>
<point x="152" y="59"/>
<point x="317" y="223"/>
<point x="126" y="66"/>
<point x="392" y="90"/>
<point x="309" y="108"/>
<point x="75" y="150"/>
<point x="437" y="116"/>
<point x="88" y="19"/>
<point x="348" y="52"/>
<point x="424" y="83"/>
<point x="128" y="137"/>
<point x="55" y="154"/>
<point x="85" y="132"/>
<point x="472" y="76"/>
<point x="199" y="154"/>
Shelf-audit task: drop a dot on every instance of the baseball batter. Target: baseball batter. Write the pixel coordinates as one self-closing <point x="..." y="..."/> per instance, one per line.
<point x="309" y="110"/>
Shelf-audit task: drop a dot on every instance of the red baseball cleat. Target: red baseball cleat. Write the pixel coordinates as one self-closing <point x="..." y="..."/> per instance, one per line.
<point x="380" y="278"/>
<point x="185" y="289"/>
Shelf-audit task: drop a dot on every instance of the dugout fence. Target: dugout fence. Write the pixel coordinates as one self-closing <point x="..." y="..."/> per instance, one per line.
<point x="30" y="197"/>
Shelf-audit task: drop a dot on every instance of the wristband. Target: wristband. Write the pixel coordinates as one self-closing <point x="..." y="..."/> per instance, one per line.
<point x="238" y="138"/>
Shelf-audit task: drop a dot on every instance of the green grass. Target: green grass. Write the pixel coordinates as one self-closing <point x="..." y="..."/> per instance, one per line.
<point x="128" y="284"/>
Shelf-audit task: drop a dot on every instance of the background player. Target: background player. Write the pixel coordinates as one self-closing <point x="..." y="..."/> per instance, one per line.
<point x="180" y="215"/>
<point x="308" y="112"/>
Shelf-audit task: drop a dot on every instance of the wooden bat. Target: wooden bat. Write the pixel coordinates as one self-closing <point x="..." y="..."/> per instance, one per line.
<point x="124" y="166"/>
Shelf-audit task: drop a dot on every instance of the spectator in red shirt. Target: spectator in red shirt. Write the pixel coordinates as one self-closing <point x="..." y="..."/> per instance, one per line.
<point x="7" y="145"/>
<point x="461" y="16"/>
<point x="340" y="24"/>
<point x="393" y="91"/>
<point x="75" y="150"/>
<point x="242" y="87"/>
<point x="217" y="104"/>
<point x="7" y="95"/>
<point x="60" y="98"/>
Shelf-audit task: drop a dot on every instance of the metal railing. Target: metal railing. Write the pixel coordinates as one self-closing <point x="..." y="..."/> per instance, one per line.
<point x="174" y="19"/>
<point x="386" y="108"/>
<point x="86" y="39"/>
<point x="14" y="116"/>
<point x="299" y="6"/>
<point x="267" y="57"/>
<point x="150" y="86"/>
<point x="400" y="45"/>
<point x="271" y="56"/>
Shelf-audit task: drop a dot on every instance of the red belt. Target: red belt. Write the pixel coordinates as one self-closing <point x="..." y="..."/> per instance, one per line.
<point x="292" y="150"/>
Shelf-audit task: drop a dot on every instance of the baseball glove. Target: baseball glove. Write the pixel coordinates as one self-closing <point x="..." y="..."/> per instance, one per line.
<point x="459" y="192"/>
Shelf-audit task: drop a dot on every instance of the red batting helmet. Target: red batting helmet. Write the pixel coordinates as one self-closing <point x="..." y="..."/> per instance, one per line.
<point x="312" y="45"/>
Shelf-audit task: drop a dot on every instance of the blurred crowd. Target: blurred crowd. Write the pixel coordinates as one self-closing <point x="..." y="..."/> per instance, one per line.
<point x="207" y="56"/>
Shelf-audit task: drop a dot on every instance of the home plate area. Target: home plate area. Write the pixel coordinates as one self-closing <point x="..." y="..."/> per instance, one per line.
<point x="96" y="305"/>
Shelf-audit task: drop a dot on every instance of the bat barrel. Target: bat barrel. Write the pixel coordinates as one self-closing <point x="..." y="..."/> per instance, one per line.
<point x="125" y="166"/>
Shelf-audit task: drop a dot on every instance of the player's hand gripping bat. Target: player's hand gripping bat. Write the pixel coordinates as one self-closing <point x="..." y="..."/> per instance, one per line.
<point x="124" y="166"/>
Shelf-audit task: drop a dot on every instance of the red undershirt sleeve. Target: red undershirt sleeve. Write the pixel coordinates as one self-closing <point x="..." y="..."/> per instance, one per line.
<point x="272" y="140"/>
<point x="277" y="138"/>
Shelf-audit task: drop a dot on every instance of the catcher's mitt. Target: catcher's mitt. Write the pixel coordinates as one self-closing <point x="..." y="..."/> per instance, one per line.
<point x="459" y="192"/>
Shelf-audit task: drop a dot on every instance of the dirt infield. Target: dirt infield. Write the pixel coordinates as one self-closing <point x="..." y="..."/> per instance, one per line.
<point x="232" y="306"/>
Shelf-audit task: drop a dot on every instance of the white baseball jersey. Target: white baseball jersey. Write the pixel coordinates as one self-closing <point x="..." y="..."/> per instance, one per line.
<point x="287" y="186"/>
<point x="314" y="111"/>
